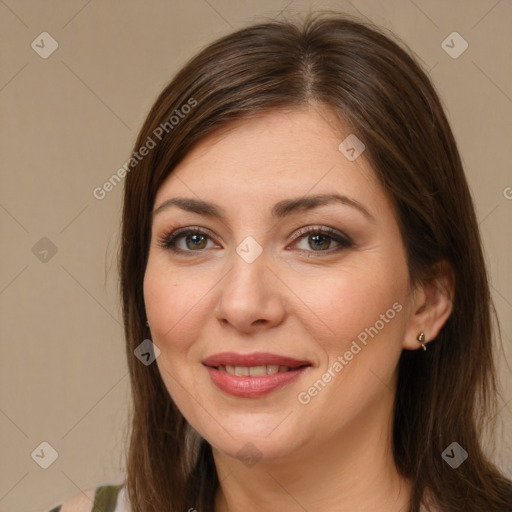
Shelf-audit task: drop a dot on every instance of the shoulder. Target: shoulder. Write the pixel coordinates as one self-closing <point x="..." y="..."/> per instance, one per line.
<point x="105" y="497"/>
<point x="79" y="502"/>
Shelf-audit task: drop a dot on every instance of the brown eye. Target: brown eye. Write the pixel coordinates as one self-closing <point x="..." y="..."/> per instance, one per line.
<point x="195" y="241"/>
<point x="321" y="242"/>
<point x="186" y="241"/>
<point x="322" y="239"/>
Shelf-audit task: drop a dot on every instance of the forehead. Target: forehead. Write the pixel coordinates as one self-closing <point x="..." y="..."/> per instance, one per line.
<point x="276" y="155"/>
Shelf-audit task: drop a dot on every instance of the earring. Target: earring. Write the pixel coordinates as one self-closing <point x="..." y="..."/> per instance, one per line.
<point x="421" y="339"/>
<point x="147" y="323"/>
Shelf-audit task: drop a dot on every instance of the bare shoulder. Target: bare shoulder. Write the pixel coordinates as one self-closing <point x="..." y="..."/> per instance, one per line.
<point x="79" y="502"/>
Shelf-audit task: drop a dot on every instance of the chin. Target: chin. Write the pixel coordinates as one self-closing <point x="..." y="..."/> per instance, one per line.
<point x="250" y="450"/>
<point x="245" y="439"/>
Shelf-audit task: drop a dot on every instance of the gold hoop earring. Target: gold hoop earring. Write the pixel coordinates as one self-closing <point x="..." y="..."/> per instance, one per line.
<point x="421" y="339"/>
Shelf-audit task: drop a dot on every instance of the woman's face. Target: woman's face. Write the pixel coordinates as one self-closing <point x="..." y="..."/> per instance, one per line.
<point x="282" y="271"/>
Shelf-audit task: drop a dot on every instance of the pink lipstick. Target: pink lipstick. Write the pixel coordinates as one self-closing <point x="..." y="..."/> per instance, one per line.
<point x="253" y="375"/>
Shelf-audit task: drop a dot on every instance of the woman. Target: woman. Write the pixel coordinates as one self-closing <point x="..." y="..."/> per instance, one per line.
<point x="300" y="246"/>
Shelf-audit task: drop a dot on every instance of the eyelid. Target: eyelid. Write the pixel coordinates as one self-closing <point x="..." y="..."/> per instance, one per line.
<point x="169" y="238"/>
<point x="338" y="236"/>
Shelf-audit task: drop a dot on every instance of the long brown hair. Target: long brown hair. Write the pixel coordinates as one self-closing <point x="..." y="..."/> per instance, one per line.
<point x="359" y="72"/>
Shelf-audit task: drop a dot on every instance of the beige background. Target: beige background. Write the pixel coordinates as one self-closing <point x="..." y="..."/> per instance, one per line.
<point x="69" y="122"/>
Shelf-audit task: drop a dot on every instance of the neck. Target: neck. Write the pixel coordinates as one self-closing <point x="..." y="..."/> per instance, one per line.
<point x="350" y="471"/>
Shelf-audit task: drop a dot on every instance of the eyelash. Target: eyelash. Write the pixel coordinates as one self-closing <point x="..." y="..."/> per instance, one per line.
<point x="168" y="240"/>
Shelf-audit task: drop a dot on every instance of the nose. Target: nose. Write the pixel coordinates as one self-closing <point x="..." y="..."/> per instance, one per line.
<point x="250" y="296"/>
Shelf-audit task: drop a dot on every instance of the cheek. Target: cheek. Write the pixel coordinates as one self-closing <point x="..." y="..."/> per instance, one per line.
<point x="173" y="299"/>
<point x="174" y="302"/>
<point x="362" y="323"/>
<point x="344" y="304"/>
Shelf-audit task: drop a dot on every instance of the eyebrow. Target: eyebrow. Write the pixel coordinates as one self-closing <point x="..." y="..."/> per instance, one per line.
<point x="280" y="210"/>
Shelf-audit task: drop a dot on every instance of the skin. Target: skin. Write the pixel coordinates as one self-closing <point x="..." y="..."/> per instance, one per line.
<point x="333" y="453"/>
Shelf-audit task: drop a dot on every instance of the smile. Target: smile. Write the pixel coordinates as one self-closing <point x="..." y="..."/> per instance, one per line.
<point x="253" y="371"/>
<point x="253" y="375"/>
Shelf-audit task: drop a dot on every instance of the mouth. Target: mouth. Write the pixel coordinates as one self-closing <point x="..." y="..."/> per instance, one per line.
<point x="255" y="371"/>
<point x="253" y="375"/>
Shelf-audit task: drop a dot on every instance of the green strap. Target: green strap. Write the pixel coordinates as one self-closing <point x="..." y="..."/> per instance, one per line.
<point x="105" y="498"/>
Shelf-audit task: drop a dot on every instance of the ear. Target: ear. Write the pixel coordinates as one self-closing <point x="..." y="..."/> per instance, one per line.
<point x="431" y="306"/>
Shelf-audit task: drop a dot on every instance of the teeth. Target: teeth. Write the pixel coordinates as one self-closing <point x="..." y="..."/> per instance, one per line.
<point x="253" y="371"/>
<point x="258" y="371"/>
<point x="241" y="371"/>
<point x="272" y="368"/>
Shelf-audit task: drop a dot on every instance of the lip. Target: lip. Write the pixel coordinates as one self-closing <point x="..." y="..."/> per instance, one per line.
<point x="254" y="359"/>
<point x="253" y="387"/>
